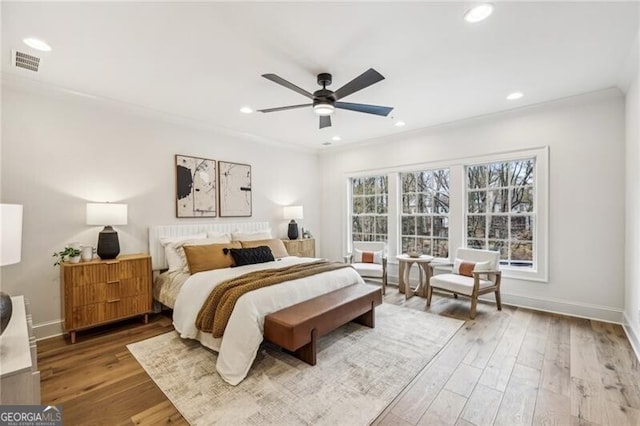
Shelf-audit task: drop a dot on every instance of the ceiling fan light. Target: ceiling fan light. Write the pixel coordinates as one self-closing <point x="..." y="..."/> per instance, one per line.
<point x="323" y="109"/>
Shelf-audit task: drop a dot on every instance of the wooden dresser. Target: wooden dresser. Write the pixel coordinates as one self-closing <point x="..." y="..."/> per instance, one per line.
<point x="303" y="248"/>
<point x="19" y="354"/>
<point x="103" y="291"/>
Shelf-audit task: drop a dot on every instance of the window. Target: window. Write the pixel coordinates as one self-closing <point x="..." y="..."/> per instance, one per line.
<point x="369" y="208"/>
<point x="425" y="212"/>
<point x="500" y="211"/>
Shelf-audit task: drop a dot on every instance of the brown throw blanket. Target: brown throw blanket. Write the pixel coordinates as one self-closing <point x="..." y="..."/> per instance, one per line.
<point x="216" y="310"/>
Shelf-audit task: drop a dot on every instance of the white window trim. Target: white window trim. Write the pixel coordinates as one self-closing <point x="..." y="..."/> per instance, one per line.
<point x="458" y="205"/>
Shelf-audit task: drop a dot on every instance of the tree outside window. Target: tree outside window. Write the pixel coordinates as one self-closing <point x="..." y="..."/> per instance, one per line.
<point x="425" y="212"/>
<point x="369" y="208"/>
<point x="500" y="210"/>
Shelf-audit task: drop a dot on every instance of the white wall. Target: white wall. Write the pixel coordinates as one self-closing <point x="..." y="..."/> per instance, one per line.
<point x="632" y="223"/>
<point x="585" y="135"/>
<point x="60" y="151"/>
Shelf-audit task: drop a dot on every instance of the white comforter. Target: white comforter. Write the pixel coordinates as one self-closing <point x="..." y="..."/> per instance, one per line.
<point x="238" y="347"/>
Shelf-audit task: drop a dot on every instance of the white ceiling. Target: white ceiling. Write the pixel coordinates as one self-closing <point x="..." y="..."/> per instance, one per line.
<point x="203" y="61"/>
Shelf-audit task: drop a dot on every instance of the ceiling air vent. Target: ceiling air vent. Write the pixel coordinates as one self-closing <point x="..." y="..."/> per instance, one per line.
<point x="22" y="60"/>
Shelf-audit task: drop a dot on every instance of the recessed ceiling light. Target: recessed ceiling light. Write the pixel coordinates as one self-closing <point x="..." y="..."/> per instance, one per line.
<point x="399" y="123"/>
<point x="515" y="95"/>
<point x="37" y="44"/>
<point x="326" y="143"/>
<point x="246" y="110"/>
<point x="336" y="138"/>
<point x="478" y="13"/>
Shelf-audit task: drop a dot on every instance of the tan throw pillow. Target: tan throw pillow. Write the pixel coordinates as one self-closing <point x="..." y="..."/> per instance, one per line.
<point x="206" y="258"/>
<point x="466" y="268"/>
<point x="277" y="246"/>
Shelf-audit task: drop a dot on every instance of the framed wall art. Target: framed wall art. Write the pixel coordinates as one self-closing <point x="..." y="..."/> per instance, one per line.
<point x="235" y="189"/>
<point x="195" y="187"/>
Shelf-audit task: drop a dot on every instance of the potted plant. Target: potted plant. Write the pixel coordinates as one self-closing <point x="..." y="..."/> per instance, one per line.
<point x="69" y="254"/>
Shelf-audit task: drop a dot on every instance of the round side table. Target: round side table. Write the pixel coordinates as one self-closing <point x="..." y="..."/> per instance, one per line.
<point x="404" y="263"/>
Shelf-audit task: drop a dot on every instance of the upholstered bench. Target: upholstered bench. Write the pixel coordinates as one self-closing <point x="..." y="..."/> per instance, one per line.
<point x="297" y="328"/>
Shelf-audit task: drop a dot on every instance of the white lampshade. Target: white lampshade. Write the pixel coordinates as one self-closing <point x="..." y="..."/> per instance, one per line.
<point x="11" y="227"/>
<point x="106" y="214"/>
<point x="293" y="212"/>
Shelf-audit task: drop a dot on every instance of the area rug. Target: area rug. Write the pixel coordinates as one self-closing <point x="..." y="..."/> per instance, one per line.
<point x="359" y="371"/>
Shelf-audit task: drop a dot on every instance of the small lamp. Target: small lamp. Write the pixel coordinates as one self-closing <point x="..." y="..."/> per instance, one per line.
<point x="293" y="212"/>
<point x="107" y="214"/>
<point x="10" y="252"/>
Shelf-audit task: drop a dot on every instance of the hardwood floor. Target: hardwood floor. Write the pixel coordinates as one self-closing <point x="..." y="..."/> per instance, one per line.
<point x="514" y="367"/>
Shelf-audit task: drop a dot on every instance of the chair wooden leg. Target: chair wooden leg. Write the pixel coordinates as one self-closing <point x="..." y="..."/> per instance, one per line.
<point x="429" y="294"/>
<point x="455" y="295"/>
<point x="474" y="303"/>
<point x="498" y="301"/>
<point x="384" y="284"/>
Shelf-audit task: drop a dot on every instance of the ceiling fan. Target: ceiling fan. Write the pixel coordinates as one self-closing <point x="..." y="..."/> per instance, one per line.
<point x="325" y="101"/>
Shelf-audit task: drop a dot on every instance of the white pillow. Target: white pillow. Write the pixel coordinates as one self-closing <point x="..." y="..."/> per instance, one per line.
<point x="220" y="236"/>
<point x="264" y="234"/>
<point x="174" y="260"/>
<point x="377" y="256"/>
<point x="477" y="267"/>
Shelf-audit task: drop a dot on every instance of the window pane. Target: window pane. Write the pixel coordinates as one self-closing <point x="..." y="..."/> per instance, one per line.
<point x="441" y="181"/>
<point x="441" y="226"/>
<point x="408" y="244"/>
<point x="408" y="182"/>
<point x="477" y="244"/>
<point x="381" y="225"/>
<point x="357" y="186"/>
<point x="477" y="201"/>
<point x="409" y="203"/>
<point x="408" y="225"/>
<point x="381" y="204"/>
<point x="523" y="252"/>
<point x="370" y="204"/>
<point x="423" y="224"/>
<point x="501" y="246"/>
<point x="441" y="202"/>
<point x="476" y="226"/>
<point x="498" y="227"/>
<point x="477" y="177"/>
<point x="357" y="236"/>
<point x="370" y="185"/>
<point x="382" y="185"/>
<point x="424" y="246"/>
<point x="498" y="175"/>
<point x="356" y="225"/>
<point x="424" y="203"/>
<point x="425" y="181"/>
<point x="521" y="172"/>
<point x="522" y="199"/>
<point x="440" y="247"/>
<point x="521" y="228"/>
<point x="368" y="224"/>
<point x="498" y="201"/>
<point x="358" y="205"/>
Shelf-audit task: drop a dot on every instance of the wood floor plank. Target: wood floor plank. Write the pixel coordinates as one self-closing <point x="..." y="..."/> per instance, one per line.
<point x="163" y="413"/>
<point x="519" y="399"/>
<point x="444" y="410"/>
<point x="463" y="380"/>
<point x="552" y="409"/>
<point x="556" y="373"/>
<point x="482" y="406"/>
<point x="534" y="342"/>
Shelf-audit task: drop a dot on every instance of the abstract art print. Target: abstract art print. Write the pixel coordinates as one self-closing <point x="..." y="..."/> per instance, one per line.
<point x="195" y="187"/>
<point x="235" y="189"/>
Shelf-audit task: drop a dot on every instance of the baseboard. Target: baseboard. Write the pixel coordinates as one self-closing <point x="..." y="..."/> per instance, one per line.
<point x="633" y="337"/>
<point x="556" y="306"/>
<point x="44" y="330"/>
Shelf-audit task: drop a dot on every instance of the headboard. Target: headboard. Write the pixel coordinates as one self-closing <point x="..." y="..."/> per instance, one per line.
<point x="156" y="250"/>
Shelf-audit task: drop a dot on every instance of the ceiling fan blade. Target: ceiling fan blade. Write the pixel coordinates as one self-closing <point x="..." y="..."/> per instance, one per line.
<point x="325" y="121"/>
<point x="284" y="108"/>
<point x="281" y="81"/>
<point x="365" y="79"/>
<point x="369" y="109"/>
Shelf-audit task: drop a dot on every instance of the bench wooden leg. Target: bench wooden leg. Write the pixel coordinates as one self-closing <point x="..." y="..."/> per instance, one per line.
<point x="307" y="353"/>
<point x="368" y="318"/>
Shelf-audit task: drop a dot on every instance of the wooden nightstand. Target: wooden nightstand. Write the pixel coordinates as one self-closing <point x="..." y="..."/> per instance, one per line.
<point x="303" y="248"/>
<point x="103" y="291"/>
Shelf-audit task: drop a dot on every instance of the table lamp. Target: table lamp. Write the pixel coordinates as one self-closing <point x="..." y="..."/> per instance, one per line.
<point x="293" y="212"/>
<point x="10" y="252"/>
<point x="107" y="215"/>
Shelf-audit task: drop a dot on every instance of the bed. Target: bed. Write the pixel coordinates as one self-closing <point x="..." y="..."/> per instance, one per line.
<point x="185" y="293"/>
